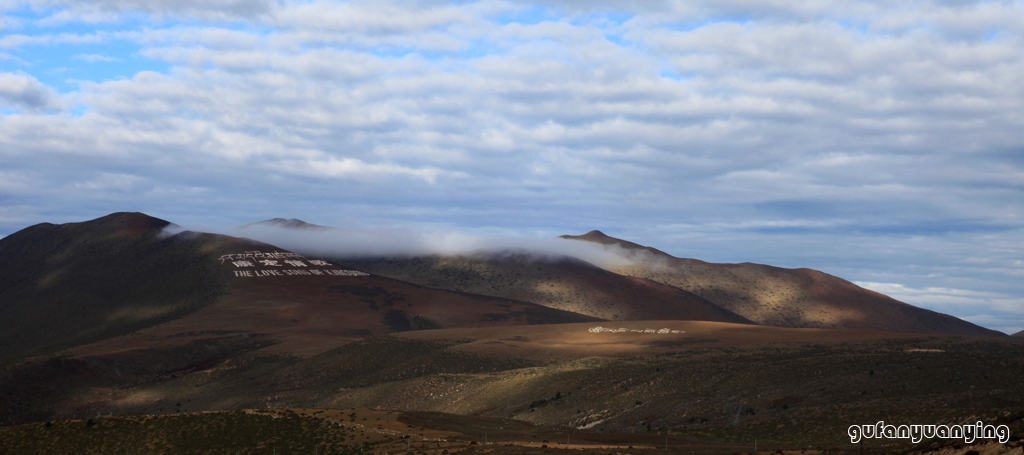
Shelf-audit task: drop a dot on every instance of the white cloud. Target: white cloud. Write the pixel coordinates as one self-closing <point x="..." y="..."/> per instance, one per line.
<point x="100" y="11"/>
<point x="95" y="58"/>
<point x="405" y="242"/>
<point x="109" y="181"/>
<point x="26" y="92"/>
<point x="21" y="40"/>
<point x="354" y="168"/>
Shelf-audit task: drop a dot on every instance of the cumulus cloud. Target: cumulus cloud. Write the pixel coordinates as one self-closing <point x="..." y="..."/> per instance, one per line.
<point x="26" y="92"/>
<point x="113" y="10"/>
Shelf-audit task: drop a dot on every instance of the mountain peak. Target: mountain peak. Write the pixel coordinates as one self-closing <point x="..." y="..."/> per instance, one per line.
<point x="592" y="236"/>
<point x="132" y="223"/>
<point x="597" y="236"/>
<point x="290" y="223"/>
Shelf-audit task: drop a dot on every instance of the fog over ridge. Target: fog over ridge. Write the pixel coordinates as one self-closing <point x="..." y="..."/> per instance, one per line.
<point x="333" y="242"/>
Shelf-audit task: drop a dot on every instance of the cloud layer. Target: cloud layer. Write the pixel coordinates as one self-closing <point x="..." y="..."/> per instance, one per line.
<point x="876" y="141"/>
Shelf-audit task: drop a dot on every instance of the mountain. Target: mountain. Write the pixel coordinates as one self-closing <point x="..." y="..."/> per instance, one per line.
<point x="76" y="283"/>
<point x="68" y="285"/>
<point x="195" y="343"/>
<point x="290" y="223"/>
<point x="563" y="283"/>
<point x="782" y="297"/>
<point x="1019" y="334"/>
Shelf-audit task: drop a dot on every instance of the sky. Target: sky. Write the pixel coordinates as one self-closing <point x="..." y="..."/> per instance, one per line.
<point x="877" y="141"/>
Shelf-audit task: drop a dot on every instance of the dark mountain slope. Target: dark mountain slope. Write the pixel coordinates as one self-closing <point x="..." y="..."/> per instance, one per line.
<point x="77" y="283"/>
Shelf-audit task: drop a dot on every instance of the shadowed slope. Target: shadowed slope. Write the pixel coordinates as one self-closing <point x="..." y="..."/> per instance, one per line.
<point x="76" y="283"/>
<point x="307" y="315"/>
<point x="783" y="297"/>
<point x="563" y="283"/>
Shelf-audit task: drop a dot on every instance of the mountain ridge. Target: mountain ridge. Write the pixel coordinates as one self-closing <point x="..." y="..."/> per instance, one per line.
<point x="782" y="297"/>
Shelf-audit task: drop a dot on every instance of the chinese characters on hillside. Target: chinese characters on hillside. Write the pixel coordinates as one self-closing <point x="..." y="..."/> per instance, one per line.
<point x="600" y="329"/>
<point x="279" y="263"/>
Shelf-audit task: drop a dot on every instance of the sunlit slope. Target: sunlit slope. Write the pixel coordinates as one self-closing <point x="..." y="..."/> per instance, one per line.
<point x="562" y="283"/>
<point x="783" y="297"/>
<point x="76" y="283"/>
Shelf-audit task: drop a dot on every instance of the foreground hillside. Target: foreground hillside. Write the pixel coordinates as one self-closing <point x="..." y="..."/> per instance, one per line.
<point x="782" y="297"/>
<point x="352" y="431"/>
<point x="712" y="382"/>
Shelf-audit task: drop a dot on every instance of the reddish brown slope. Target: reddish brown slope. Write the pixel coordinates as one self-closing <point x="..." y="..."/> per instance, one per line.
<point x="310" y="314"/>
<point x="783" y="297"/>
<point x="563" y="283"/>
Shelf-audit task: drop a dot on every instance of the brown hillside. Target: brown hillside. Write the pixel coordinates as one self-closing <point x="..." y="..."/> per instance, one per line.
<point x="310" y="314"/>
<point x="76" y="283"/>
<point x="563" y="283"/>
<point x="798" y="387"/>
<point x="784" y="297"/>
